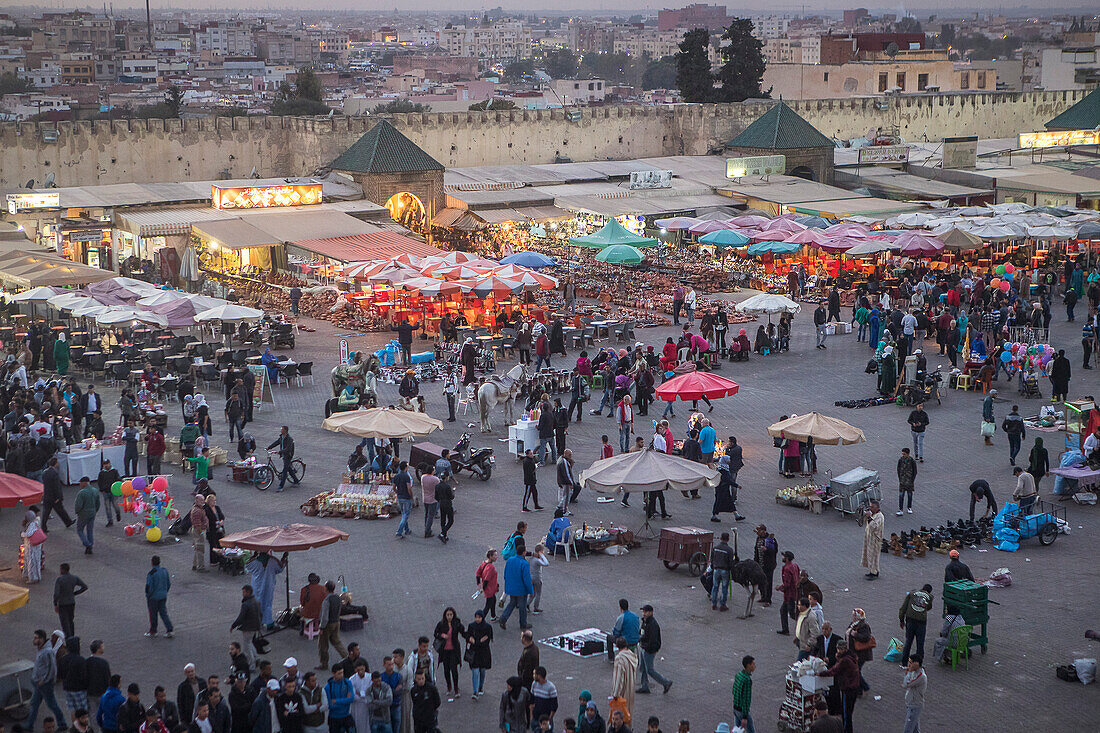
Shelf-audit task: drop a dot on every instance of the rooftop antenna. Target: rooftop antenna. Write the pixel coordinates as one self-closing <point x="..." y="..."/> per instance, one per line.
<point x="148" y="26"/>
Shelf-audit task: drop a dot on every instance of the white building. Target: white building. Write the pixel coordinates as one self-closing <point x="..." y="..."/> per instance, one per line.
<point x="651" y="42"/>
<point x="229" y="38"/>
<point x="500" y="41"/>
<point x="771" y="26"/>
<point x="46" y="75"/>
<point x="578" y="91"/>
<point x="138" y="70"/>
<point x="1070" y="67"/>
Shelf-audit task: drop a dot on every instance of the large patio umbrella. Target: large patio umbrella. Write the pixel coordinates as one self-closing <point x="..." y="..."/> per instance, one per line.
<point x="494" y="285"/>
<point x="993" y="232"/>
<point x="531" y="280"/>
<point x="438" y="287"/>
<point x="612" y="233"/>
<point x="768" y="303"/>
<point x="382" y="422"/>
<point x="839" y="244"/>
<point x="228" y="312"/>
<point x="1089" y="230"/>
<point x="823" y="429"/>
<point x="15" y="488"/>
<point x="124" y="314"/>
<point x="959" y="239"/>
<point x="778" y="248"/>
<point x="1057" y="231"/>
<point x="394" y="275"/>
<point x="363" y="270"/>
<point x="750" y="220"/>
<point x="287" y="538"/>
<point x="848" y="229"/>
<point x="528" y="258"/>
<point x="13" y="597"/>
<point x="809" y="236"/>
<point x="788" y="226"/>
<point x="815" y="222"/>
<point x="710" y="225"/>
<point x="164" y="296"/>
<point x="695" y="385"/>
<point x="870" y="247"/>
<point x="676" y="223"/>
<point x="647" y="470"/>
<point x="620" y="254"/>
<point x="769" y="235"/>
<point x="725" y="238"/>
<point x="36" y="295"/>
<point x="918" y="244"/>
<point x="458" y="272"/>
<point x="70" y="299"/>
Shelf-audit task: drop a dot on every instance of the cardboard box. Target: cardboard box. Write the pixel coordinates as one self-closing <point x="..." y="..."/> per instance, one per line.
<point x="813" y="683"/>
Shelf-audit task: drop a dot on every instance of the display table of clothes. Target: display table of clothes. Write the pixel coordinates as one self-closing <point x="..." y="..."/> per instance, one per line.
<point x="78" y="461"/>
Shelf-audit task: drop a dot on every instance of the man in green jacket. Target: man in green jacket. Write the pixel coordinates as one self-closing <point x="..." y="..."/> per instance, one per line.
<point x="87" y="506"/>
<point x="742" y="693"/>
<point x="913" y="616"/>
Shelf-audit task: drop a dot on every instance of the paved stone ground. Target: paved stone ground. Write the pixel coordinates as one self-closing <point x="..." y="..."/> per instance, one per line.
<point x="1039" y="624"/>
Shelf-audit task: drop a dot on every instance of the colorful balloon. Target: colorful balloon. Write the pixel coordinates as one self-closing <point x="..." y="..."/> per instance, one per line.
<point x="1009" y="268"/>
<point x="995" y="283"/>
<point x="153" y="534"/>
<point x="129" y="530"/>
<point x="160" y="484"/>
<point x="1004" y="286"/>
<point x="999" y="269"/>
<point x="138" y="483"/>
<point x="116" y="488"/>
<point x="1009" y="276"/>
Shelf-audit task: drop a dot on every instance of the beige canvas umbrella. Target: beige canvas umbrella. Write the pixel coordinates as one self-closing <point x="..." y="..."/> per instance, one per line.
<point x="647" y="470"/>
<point x="823" y="429"/>
<point x="382" y="422"/>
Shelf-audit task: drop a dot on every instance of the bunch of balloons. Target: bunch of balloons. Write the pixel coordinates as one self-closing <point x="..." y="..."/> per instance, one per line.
<point x="1030" y="357"/>
<point x="149" y="502"/>
<point x="1005" y="274"/>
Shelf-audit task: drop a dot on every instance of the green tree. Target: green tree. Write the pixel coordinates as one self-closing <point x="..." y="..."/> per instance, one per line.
<point x="307" y="85"/>
<point x="12" y="84"/>
<point x="516" y="71"/>
<point x="743" y="69"/>
<point x="297" y="106"/>
<point x="160" y="110"/>
<point x="494" y="104"/>
<point x="908" y="24"/>
<point x="400" y="106"/>
<point x="173" y="97"/>
<point x="560" y="64"/>
<point x="660" y="74"/>
<point x="617" y="68"/>
<point x="947" y="35"/>
<point x="693" y="74"/>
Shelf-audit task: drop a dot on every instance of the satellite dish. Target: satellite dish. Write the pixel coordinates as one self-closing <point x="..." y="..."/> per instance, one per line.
<point x="50" y="177"/>
<point x="892" y="50"/>
<point x="30" y="184"/>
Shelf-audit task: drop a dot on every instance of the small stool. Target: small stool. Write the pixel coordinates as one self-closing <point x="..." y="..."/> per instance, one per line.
<point x="963" y="382"/>
<point x="597" y="382"/>
<point x="309" y="629"/>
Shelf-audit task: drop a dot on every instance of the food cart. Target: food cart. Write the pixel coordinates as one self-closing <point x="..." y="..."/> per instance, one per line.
<point x="689" y="545"/>
<point x="850" y="492"/>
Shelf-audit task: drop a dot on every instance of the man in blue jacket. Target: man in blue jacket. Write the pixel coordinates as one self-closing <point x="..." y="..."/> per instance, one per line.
<point x="340" y="694"/>
<point x="109" y="703"/>
<point x="628" y="625"/>
<point x="517" y="585"/>
<point x="157" y="585"/>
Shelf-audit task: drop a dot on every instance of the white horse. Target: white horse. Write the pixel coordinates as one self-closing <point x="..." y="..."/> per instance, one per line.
<point x="500" y="391"/>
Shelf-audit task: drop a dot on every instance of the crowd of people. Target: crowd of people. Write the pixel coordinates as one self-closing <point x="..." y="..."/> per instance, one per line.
<point x="403" y="691"/>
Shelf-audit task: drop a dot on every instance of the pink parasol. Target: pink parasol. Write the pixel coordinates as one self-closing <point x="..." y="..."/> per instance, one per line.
<point x="783" y="225"/>
<point x="848" y="229"/>
<point x="808" y="236"/>
<point x="839" y="244"/>
<point x="676" y="223"/>
<point x="918" y="244"/>
<point x="706" y="227"/>
<point x="750" y="220"/>
<point x="772" y="236"/>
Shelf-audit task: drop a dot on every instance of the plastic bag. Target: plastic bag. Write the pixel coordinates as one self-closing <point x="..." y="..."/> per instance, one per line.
<point x="988" y="429"/>
<point x="1086" y="670"/>
<point x="1008" y="546"/>
<point x="999" y="578"/>
<point x="893" y="651"/>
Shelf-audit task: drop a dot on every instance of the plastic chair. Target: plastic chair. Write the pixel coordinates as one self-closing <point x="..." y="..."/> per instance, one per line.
<point x="958" y="645"/>
<point x="467" y="398"/>
<point x="567" y="545"/>
<point x="305" y="369"/>
<point x="597" y="382"/>
<point x="288" y="373"/>
<point x="963" y="382"/>
<point x="309" y="628"/>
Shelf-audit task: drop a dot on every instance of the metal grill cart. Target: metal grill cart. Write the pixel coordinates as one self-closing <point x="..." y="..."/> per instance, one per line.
<point x="852" y="491"/>
<point x="972" y="600"/>
<point x="689" y="545"/>
<point x="803" y="691"/>
<point x="1043" y="522"/>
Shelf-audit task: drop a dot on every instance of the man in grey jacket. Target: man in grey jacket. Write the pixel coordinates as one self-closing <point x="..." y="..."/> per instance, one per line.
<point x="328" y="626"/>
<point x="567" y="486"/>
<point x="379" y="700"/>
<point x="43" y="676"/>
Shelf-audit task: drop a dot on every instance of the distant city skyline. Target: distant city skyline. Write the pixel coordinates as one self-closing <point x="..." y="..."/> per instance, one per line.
<point x="597" y="7"/>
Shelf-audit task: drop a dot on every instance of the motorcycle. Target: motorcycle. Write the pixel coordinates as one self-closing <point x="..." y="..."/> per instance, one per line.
<point x="924" y="388"/>
<point x="478" y="461"/>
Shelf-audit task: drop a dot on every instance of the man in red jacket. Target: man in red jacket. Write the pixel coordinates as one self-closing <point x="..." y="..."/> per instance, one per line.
<point x="790" y="576"/>
<point x="846" y="671"/>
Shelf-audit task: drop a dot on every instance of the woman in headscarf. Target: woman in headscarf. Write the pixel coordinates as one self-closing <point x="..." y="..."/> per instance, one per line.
<point x="215" y="525"/>
<point x="188" y="407"/>
<point x="1038" y="463"/>
<point x="888" y="372"/>
<point x="763" y="341"/>
<point x="468" y="359"/>
<point x="557" y="337"/>
<point x="873" y="326"/>
<point x="33" y="554"/>
<point x="861" y="642"/>
<point x="514" y="703"/>
<point x="584" y="365"/>
<point x="584" y="698"/>
<point x="202" y="416"/>
<point x="743" y="342"/>
<point x="269" y="360"/>
<point x="61" y="354"/>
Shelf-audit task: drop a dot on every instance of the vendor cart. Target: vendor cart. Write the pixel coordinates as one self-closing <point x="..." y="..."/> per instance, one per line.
<point x="16" y="689"/>
<point x="689" y="545"/>
<point x="802" y="695"/>
<point x="1042" y="522"/>
<point x="851" y="492"/>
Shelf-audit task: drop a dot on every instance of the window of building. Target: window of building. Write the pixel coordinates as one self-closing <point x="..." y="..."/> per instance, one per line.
<point x="826" y="76"/>
<point x="901" y="80"/>
<point x="981" y="80"/>
<point x="964" y="80"/>
<point x="591" y="87"/>
<point x="922" y="82"/>
<point x="883" y="80"/>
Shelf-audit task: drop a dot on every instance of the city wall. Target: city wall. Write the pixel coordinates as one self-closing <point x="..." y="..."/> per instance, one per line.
<point x="88" y="153"/>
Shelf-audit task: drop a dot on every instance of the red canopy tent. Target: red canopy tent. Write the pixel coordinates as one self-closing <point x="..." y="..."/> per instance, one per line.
<point x="695" y="385"/>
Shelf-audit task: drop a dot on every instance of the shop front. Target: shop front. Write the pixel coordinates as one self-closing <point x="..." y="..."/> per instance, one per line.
<point x="88" y="243"/>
